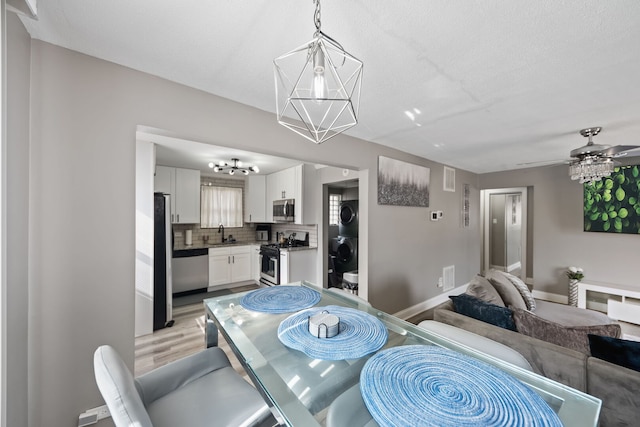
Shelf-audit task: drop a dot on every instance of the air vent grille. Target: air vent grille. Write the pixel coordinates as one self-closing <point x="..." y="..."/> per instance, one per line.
<point x="448" y="277"/>
<point x="449" y="179"/>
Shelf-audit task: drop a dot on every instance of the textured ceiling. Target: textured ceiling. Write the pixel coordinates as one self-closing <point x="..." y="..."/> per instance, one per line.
<point x="491" y="84"/>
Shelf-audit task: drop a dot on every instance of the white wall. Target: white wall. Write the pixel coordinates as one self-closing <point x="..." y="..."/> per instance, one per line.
<point x="82" y="217"/>
<point x="145" y="171"/>
<point x="559" y="237"/>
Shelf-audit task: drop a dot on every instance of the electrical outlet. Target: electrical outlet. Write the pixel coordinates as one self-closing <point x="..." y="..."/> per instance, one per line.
<point x="103" y="412"/>
<point x="93" y="415"/>
<point x="440" y="283"/>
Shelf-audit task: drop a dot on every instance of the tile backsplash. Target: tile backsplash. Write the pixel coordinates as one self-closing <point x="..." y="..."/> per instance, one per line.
<point x="247" y="233"/>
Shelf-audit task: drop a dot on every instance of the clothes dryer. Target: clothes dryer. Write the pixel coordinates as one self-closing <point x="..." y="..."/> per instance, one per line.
<point x="348" y="225"/>
<point x="346" y="253"/>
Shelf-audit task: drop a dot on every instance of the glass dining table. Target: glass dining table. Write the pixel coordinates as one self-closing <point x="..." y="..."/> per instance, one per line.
<point x="300" y="389"/>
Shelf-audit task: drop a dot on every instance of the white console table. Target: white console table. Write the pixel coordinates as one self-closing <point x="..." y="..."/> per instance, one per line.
<point x="626" y="310"/>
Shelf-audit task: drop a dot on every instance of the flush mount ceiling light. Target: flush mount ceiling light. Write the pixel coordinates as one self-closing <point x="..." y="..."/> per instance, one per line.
<point x="318" y="87"/>
<point x="232" y="168"/>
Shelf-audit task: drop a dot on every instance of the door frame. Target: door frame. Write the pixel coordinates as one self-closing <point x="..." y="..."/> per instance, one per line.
<point x="485" y="215"/>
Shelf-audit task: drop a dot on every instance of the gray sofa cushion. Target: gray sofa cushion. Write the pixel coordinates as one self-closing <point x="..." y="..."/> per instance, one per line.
<point x="573" y="337"/>
<point x="505" y="288"/>
<point x="570" y="316"/>
<point x="477" y="342"/>
<point x="481" y="288"/>
<point x="523" y="289"/>
<point x="618" y="388"/>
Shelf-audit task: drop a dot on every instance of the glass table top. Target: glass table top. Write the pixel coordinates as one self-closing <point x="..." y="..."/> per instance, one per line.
<point x="301" y="389"/>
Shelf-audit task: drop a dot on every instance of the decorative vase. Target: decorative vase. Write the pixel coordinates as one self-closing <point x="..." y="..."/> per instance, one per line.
<point x="573" y="292"/>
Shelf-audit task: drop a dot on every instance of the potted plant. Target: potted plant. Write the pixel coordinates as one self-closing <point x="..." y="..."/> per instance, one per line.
<point x="575" y="275"/>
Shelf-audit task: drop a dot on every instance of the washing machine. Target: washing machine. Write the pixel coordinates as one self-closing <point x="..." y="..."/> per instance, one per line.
<point x="345" y="250"/>
<point x="348" y="225"/>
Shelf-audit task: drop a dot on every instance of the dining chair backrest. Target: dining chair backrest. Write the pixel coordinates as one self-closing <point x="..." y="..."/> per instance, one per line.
<point x="118" y="389"/>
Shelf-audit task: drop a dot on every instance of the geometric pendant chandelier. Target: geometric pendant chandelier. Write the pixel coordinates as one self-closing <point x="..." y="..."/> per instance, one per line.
<point x="318" y="87"/>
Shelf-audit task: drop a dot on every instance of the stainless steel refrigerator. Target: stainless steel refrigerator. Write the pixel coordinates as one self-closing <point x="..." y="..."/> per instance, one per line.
<point x="162" y="254"/>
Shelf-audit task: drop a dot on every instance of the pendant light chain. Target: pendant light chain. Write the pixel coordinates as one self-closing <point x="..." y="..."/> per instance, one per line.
<point x="316" y="18"/>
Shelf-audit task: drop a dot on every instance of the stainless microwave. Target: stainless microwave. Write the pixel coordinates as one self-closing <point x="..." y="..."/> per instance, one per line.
<point x="284" y="210"/>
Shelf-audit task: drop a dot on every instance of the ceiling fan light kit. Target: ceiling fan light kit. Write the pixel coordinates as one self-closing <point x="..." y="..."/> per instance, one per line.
<point x="318" y="87"/>
<point x="594" y="161"/>
<point x="233" y="168"/>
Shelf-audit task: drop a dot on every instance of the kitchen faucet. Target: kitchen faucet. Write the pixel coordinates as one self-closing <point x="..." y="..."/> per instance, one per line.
<point x="221" y="230"/>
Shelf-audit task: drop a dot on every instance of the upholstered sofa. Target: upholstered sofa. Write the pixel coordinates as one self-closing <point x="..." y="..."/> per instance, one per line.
<point x="570" y="363"/>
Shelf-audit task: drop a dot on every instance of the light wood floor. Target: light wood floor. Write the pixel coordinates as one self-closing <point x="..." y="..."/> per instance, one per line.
<point x="184" y="338"/>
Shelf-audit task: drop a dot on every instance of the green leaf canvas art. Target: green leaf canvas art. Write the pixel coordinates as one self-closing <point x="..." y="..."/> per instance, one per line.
<point x="613" y="204"/>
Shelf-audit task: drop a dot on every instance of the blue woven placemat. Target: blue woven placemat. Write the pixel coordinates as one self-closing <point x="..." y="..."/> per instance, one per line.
<point x="280" y="299"/>
<point x="410" y="385"/>
<point x="360" y="334"/>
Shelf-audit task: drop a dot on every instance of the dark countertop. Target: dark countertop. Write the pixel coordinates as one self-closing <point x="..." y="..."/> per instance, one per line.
<point x="201" y="245"/>
<point x="196" y="248"/>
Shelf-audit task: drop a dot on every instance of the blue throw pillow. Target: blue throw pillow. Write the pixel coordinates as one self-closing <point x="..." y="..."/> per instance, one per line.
<point x="484" y="311"/>
<point x="615" y="350"/>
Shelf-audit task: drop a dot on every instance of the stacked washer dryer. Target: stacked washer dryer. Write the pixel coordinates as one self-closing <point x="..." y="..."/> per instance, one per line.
<point x="345" y="246"/>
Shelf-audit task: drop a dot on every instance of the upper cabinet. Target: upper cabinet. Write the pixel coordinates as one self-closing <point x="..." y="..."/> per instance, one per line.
<point x="293" y="183"/>
<point x="255" y="199"/>
<point x="184" y="187"/>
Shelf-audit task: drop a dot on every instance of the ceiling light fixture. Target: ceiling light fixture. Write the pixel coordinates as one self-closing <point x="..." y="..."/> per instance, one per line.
<point x="592" y="163"/>
<point x="318" y="87"/>
<point x="236" y="166"/>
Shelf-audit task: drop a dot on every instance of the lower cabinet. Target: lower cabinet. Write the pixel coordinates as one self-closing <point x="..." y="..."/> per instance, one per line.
<point x="255" y="263"/>
<point x="229" y="265"/>
<point x="297" y="265"/>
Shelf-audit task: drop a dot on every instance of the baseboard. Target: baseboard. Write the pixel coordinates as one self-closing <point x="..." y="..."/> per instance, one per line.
<point x="548" y="296"/>
<point x="414" y="310"/>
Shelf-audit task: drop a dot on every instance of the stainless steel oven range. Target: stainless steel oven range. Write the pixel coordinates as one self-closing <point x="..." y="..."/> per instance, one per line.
<point x="270" y="256"/>
<point x="270" y="264"/>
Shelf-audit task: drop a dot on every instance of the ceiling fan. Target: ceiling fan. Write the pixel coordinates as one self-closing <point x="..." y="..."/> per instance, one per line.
<point x="599" y="150"/>
<point x="593" y="152"/>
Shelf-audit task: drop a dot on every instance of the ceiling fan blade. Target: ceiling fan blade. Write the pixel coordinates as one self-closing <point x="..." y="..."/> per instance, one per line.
<point x="544" y="163"/>
<point x="618" y="150"/>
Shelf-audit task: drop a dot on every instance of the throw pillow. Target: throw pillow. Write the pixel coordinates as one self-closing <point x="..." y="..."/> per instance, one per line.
<point x="573" y="337"/>
<point x="614" y="350"/>
<point x="506" y="289"/>
<point x="523" y="289"/>
<point x="468" y="305"/>
<point x="481" y="288"/>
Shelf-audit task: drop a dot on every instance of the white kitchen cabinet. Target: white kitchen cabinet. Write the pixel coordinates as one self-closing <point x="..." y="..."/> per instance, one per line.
<point x="298" y="183"/>
<point x="255" y="263"/>
<point x="229" y="264"/>
<point x="165" y="180"/>
<point x="187" y="196"/>
<point x="255" y="199"/>
<point x="297" y="265"/>
<point x="184" y="187"/>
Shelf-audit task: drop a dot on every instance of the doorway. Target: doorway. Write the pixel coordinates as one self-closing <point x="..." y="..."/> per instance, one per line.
<point x="352" y="185"/>
<point x="504" y="212"/>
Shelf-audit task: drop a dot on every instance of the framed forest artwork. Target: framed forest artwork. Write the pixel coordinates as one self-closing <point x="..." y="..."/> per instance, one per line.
<point x="402" y="184"/>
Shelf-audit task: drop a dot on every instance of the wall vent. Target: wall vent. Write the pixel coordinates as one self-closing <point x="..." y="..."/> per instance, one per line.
<point x="448" y="278"/>
<point x="449" y="179"/>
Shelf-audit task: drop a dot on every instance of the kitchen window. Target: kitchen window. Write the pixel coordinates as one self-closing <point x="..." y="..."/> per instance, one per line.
<point x="220" y="205"/>
<point x="334" y="208"/>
